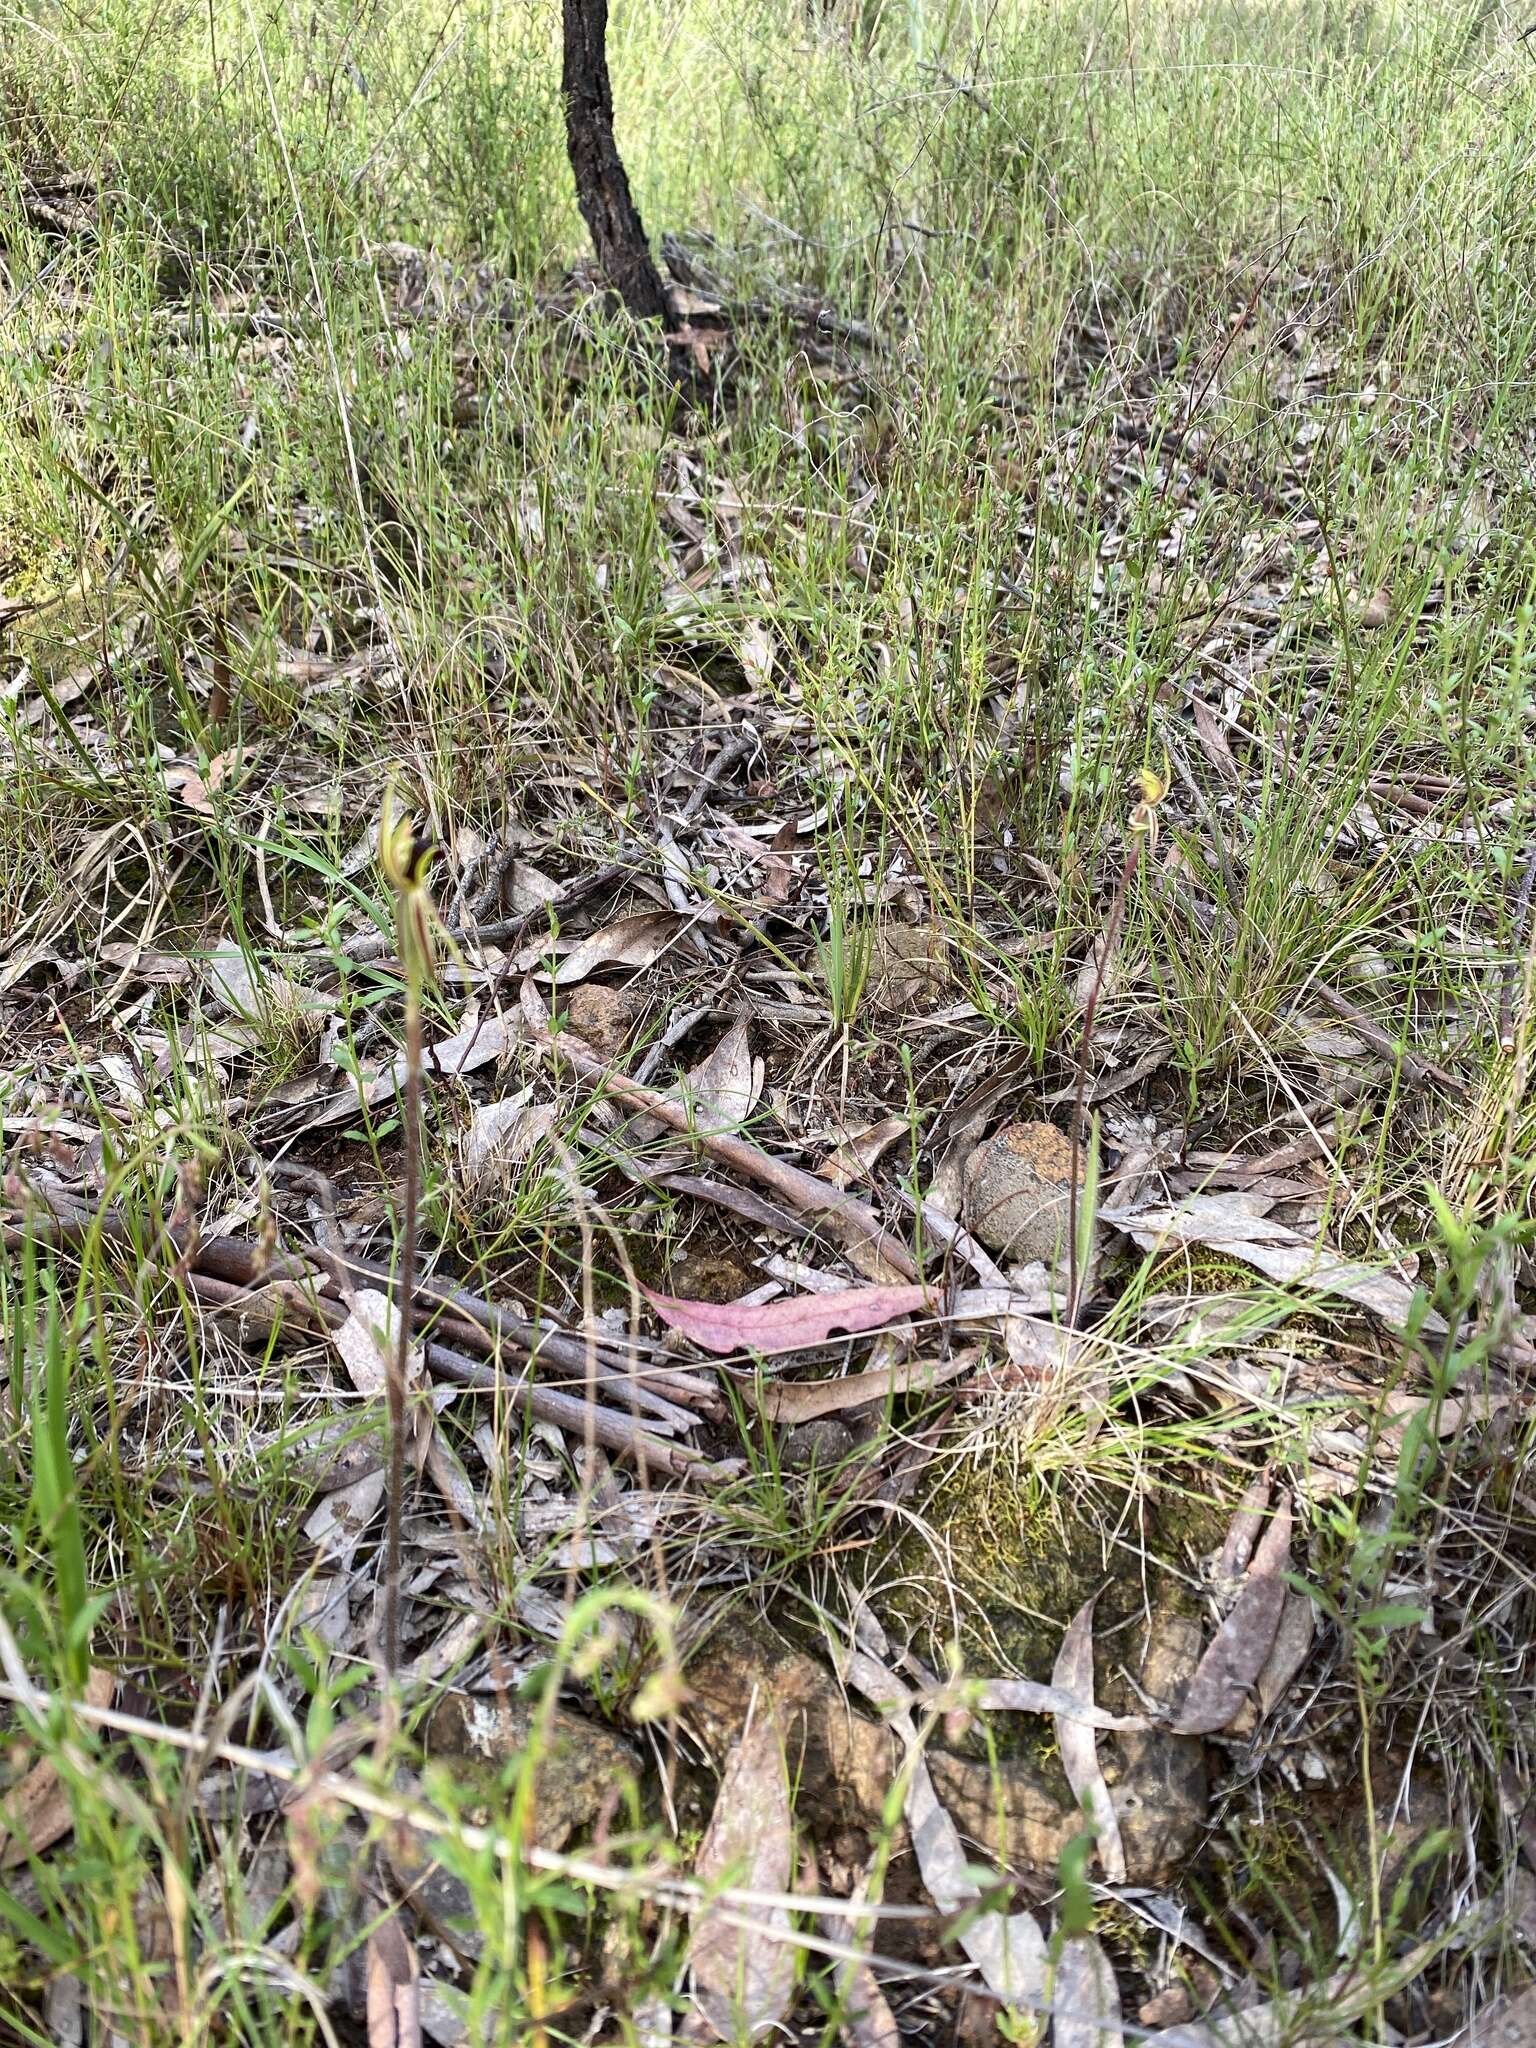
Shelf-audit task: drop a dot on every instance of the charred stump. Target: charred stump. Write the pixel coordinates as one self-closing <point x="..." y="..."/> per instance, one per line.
<point x="602" y="188"/>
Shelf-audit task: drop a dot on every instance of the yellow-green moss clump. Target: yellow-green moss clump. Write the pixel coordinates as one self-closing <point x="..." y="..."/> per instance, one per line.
<point x="1000" y="1558"/>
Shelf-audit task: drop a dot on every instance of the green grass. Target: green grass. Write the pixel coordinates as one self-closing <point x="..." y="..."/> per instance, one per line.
<point x="1200" y="373"/>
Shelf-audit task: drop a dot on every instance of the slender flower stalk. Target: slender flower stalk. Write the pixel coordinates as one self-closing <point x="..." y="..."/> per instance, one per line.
<point x="1151" y="788"/>
<point x="405" y="854"/>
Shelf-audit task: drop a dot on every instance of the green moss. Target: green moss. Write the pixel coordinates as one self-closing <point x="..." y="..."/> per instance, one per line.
<point x="1001" y="1558"/>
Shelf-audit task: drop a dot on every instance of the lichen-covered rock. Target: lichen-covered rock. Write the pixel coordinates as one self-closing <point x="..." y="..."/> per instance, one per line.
<point x="1018" y="1192"/>
<point x="842" y="1764"/>
<point x="605" y="1017"/>
<point x="584" y="1769"/>
<point x="908" y="967"/>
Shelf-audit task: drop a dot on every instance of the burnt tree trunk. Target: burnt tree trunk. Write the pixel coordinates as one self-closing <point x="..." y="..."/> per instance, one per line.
<point x="602" y="189"/>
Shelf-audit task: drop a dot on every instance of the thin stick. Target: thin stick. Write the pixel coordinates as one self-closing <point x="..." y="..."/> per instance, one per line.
<point x="279" y="1296"/>
<point x="844" y="1216"/>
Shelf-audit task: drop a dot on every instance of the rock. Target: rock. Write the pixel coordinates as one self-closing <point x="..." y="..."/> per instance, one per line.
<point x="1036" y="1825"/>
<point x="823" y="1444"/>
<point x="585" y="1769"/>
<point x="842" y="1761"/>
<point x="908" y="967"/>
<point x="1157" y="1781"/>
<point x="1018" y="1192"/>
<point x="843" y="1764"/>
<point x="1169" y="2008"/>
<point x="605" y="1017"/>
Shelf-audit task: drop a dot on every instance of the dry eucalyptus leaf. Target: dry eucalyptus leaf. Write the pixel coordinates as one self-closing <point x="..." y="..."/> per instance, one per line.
<point x="744" y="1977"/>
<point x="867" y="2019"/>
<point x="637" y="941"/>
<point x="367" y="1341"/>
<point x="394" y="1990"/>
<point x="727" y="1084"/>
<point x="1242" y="1531"/>
<point x="1228" y="1224"/>
<point x="1289" y="1651"/>
<point x="1240" y="1648"/>
<point x="1085" y="1999"/>
<point x="504" y="1135"/>
<point x="1506" y="2022"/>
<point x="1024" y="1696"/>
<point x="1073" y="1674"/>
<point x="477" y="1042"/>
<point x="861" y="1151"/>
<point x="36" y="1812"/>
<point x="362" y="1341"/>
<point x="337" y="1523"/>
<point x="1009" y="1950"/>
<point x="755" y="652"/>
<point x="796" y="1401"/>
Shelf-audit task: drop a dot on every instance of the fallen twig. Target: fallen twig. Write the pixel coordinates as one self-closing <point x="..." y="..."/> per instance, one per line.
<point x="277" y="1293"/>
<point x="853" y="1222"/>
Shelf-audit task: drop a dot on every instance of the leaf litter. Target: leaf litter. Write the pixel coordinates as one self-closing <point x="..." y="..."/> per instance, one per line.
<point x="700" y="916"/>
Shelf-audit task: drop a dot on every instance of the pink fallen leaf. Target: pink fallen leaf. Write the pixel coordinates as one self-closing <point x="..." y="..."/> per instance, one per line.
<point x="1073" y="1673"/>
<point x="744" y="1976"/>
<point x="800" y="1322"/>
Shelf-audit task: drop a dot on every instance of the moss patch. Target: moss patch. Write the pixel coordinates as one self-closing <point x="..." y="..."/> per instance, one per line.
<point x="1004" y="1558"/>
